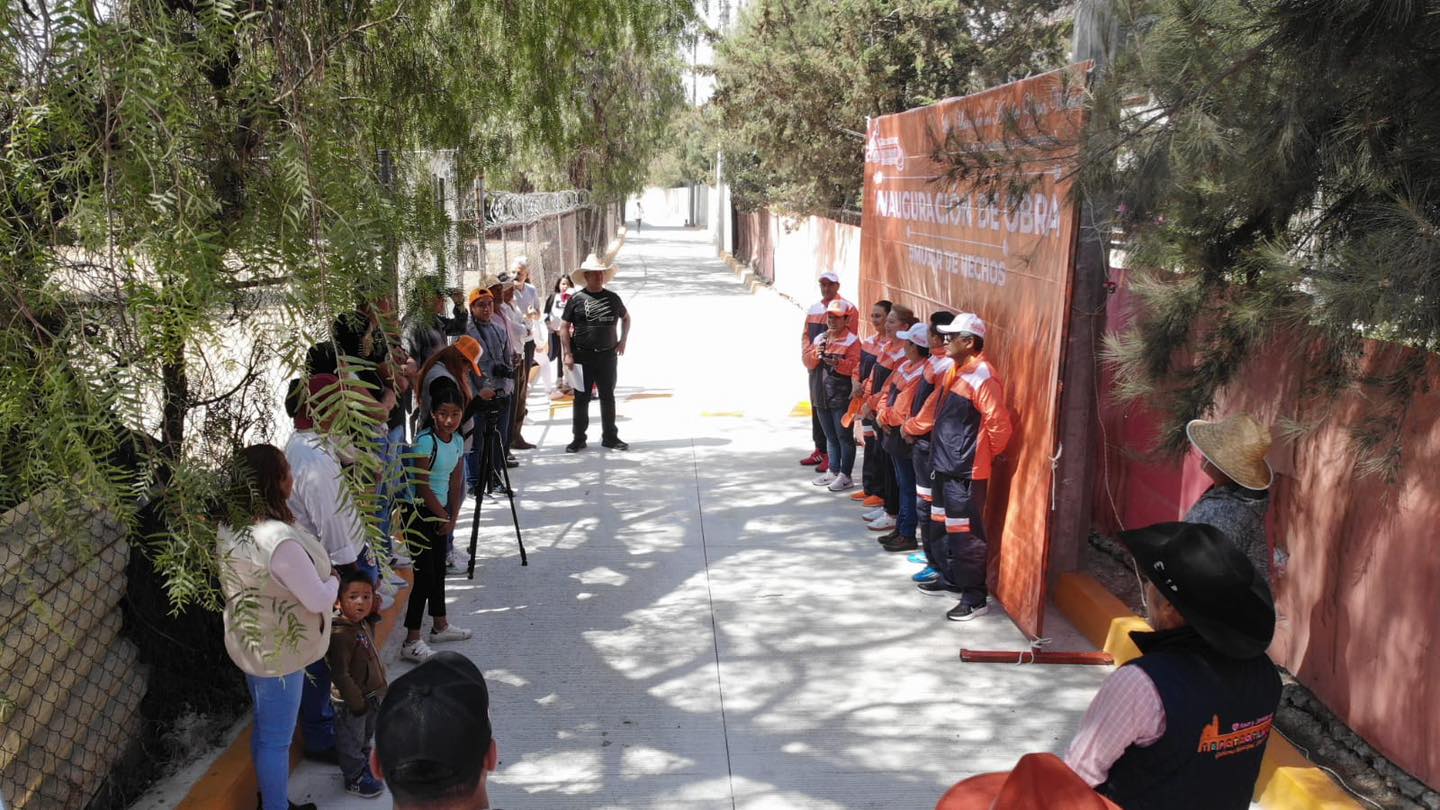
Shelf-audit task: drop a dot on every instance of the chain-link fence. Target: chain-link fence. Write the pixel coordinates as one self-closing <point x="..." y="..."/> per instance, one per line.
<point x="70" y="683"/>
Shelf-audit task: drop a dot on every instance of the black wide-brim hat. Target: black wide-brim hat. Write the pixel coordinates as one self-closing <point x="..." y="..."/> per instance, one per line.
<point x="1210" y="581"/>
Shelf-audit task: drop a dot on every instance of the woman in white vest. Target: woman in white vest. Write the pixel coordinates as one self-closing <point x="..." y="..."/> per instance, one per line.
<point x="279" y="594"/>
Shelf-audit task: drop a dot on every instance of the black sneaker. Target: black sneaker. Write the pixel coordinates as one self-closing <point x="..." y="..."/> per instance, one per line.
<point x="575" y="446"/>
<point x="901" y="544"/>
<point x="964" y="613"/>
<point x="892" y="536"/>
<point x="614" y="444"/>
<point x="937" y="587"/>
<point x="512" y="462"/>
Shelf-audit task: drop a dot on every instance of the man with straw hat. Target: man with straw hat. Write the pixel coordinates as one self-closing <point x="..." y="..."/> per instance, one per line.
<point x="1185" y="724"/>
<point x="589" y="339"/>
<point x="1233" y="452"/>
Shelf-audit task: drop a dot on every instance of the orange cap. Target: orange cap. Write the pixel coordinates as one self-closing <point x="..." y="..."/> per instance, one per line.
<point x="473" y="351"/>
<point x="837" y="307"/>
<point x="480" y="294"/>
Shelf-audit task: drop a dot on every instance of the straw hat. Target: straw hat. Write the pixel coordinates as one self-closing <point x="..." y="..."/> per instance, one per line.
<point x="593" y="263"/>
<point x="1237" y="446"/>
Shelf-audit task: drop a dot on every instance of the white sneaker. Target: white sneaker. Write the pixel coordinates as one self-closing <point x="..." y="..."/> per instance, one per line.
<point x="457" y="559"/>
<point x="416" y="650"/>
<point x="883" y="524"/>
<point x="450" y="633"/>
<point x="874" y="514"/>
<point x="397" y="581"/>
<point x="841" y="483"/>
<point x="398" y="560"/>
<point x="824" y="479"/>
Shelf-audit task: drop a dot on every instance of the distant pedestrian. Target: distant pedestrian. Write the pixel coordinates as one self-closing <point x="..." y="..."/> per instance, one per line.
<point x="525" y="308"/>
<point x="592" y="343"/>
<point x="434" y="745"/>
<point x="554" y="367"/>
<point x="279" y="590"/>
<point x="358" y="679"/>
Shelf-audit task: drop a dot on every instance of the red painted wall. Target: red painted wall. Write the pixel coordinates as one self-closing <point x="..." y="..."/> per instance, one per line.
<point x="1359" y="595"/>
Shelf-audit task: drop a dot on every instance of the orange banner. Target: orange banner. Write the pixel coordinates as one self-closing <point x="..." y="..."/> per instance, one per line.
<point x="989" y="229"/>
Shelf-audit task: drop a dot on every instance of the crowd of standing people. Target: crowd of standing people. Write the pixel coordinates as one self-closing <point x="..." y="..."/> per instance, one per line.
<point x="1183" y="725"/>
<point x="442" y="409"/>
<point x="928" y="408"/>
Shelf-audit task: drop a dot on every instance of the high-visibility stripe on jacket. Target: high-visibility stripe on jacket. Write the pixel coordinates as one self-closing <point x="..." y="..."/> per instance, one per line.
<point x="897" y="397"/>
<point x="936" y="367"/>
<point x="815" y="323"/>
<point x="836" y="378"/>
<point x="967" y="420"/>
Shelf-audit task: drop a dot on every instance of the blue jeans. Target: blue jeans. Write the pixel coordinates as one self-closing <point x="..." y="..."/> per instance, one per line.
<point x="392" y="481"/>
<point x="839" y="440"/>
<point x="317" y="716"/>
<point x="905" y="481"/>
<point x="276" y="702"/>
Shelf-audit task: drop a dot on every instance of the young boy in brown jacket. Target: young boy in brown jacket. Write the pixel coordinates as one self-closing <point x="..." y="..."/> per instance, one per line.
<point x="357" y="684"/>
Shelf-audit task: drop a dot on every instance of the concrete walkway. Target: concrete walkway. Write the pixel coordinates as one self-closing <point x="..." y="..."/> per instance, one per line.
<point x="699" y="626"/>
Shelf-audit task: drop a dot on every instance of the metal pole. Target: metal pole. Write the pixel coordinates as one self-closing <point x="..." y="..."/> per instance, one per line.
<point x="1095" y="29"/>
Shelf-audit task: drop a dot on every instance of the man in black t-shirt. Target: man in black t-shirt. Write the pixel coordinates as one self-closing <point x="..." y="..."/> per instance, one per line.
<point x="589" y="339"/>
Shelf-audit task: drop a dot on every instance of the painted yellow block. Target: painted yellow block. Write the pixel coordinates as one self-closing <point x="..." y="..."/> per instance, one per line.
<point x="1288" y="780"/>
<point x="1099" y="615"/>
<point x="731" y="414"/>
<point x="800" y="409"/>
<point x="644" y="395"/>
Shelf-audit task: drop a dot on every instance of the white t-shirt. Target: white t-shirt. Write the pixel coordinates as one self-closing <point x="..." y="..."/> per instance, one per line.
<point x="320" y="501"/>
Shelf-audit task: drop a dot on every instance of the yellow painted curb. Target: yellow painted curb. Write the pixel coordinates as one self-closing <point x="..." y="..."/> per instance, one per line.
<point x="1287" y="780"/>
<point x="1099" y="615"/>
<point x="230" y="784"/>
<point x="732" y="414"/>
<point x="800" y="409"/>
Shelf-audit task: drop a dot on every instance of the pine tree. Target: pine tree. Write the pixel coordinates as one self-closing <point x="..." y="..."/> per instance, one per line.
<point x="797" y="80"/>
<point x="1275" y="166"/>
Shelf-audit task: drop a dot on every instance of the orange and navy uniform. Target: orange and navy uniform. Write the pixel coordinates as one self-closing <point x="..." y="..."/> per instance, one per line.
<point x="896" y="398"/>
<point x="815" y="323"/>
<point x="937" y="365"/>
<point x="837" y="359"/>
<point x="968" y="422"/>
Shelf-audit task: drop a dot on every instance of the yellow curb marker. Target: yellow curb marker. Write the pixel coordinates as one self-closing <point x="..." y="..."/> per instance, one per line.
<point x="800" y="409"/>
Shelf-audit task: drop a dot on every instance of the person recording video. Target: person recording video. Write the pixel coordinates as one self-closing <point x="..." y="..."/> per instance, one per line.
<point x="494" y="388"/>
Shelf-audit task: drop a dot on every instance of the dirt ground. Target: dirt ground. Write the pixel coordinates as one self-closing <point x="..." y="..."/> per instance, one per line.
<point x="1302" y="718"/>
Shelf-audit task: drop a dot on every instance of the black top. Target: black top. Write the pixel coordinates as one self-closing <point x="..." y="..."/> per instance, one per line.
<point x="595" y="317"/>
<point x="1218" y="716"/>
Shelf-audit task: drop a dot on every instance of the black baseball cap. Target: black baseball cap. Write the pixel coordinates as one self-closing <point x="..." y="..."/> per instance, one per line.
<point x="433" y="730"/>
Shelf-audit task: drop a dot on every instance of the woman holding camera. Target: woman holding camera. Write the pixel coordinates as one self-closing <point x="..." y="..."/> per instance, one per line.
<point x="836" y="354"/>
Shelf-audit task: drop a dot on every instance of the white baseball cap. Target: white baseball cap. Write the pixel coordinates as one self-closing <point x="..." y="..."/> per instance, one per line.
<point x="830" y="277"/>
<point x="966" y="323"/>
<point x="918" y="333"/>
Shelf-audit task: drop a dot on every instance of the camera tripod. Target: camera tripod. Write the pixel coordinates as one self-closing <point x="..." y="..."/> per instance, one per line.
<point x="491" y="448"/>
